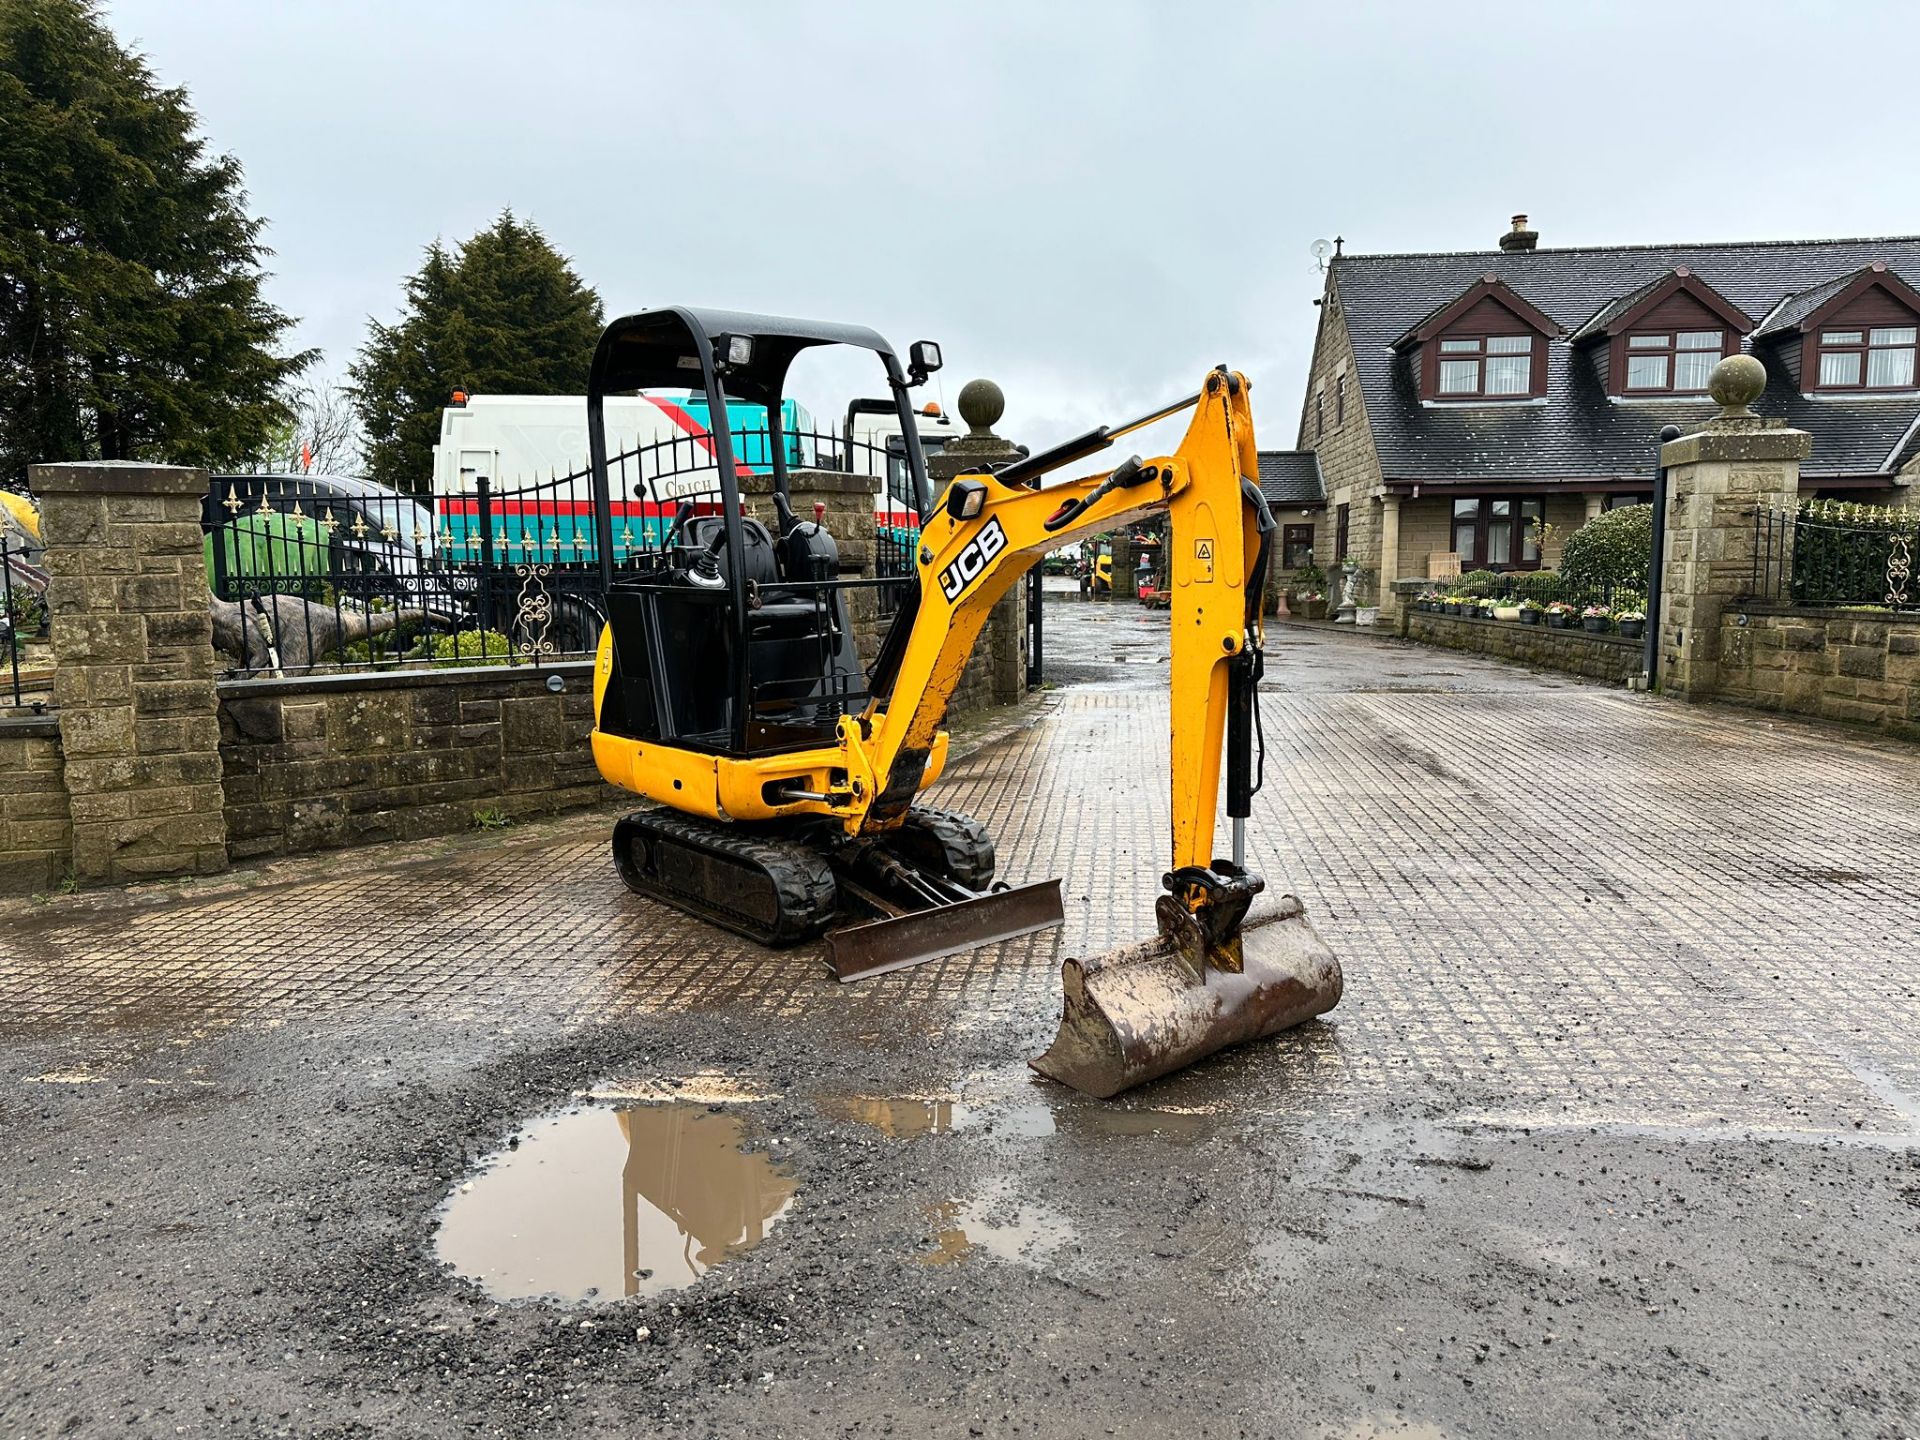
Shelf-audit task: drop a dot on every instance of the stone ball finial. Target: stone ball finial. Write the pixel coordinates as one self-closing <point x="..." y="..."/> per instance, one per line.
<point x="981" y="403"/>
<point x="1736" y="382"/>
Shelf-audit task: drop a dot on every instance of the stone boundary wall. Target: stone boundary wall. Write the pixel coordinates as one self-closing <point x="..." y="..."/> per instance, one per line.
<point x="1597" y="657"/>
<point x="1848" y="665"/>
<point x="323" y="762"/>
<point x="36" y="826"/>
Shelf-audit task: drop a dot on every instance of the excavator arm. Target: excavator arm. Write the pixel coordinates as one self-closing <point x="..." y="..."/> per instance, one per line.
<point x="988" y="533"/>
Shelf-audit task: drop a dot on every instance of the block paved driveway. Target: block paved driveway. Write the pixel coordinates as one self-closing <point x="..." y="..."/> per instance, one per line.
<point x="1614" y="1133"/>
<point x="1555" y="903"/>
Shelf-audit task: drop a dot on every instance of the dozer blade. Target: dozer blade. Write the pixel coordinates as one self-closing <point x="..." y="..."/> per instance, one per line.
<point x="1135" y="1014"/>
<point x="857" y="951"/>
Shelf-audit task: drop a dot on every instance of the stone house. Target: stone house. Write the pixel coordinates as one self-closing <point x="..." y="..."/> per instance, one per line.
<point x="1296" y="493"/>
<point x="1479" y="406"/>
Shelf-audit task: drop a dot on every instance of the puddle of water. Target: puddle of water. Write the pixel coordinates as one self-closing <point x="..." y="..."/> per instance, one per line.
<point x="608" y="1201"/>
<point x="1023" y="1234"/>
<point x="904" y="1115"/>
<point x="907" y="1115"/>
<point x="705" y="1087"/>
<point x="1116" y="1120"/>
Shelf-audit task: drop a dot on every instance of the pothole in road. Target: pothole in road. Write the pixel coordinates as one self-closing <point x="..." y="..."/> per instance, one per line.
<point x="607" y="1201"/>
<point x="998" y="1225"/>
<point x="904" y="1116"/>
<point x="907" y="1116"/>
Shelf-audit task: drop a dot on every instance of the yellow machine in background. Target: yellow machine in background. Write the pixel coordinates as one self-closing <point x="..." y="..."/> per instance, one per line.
<point x="726" y="689"/>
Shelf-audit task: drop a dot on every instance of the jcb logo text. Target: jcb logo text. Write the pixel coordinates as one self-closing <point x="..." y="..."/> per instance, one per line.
<point x="968" y="564"/>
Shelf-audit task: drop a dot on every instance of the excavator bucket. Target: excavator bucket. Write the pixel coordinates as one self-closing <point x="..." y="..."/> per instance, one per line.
<point x="1135" y="1014"/>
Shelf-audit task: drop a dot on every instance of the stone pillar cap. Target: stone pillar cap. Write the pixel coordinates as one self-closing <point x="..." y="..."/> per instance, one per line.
<point x="115" y="477"/>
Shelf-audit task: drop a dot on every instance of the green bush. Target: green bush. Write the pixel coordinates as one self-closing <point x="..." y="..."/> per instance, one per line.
<point x="1611" y="549"/>
<point x="1479" y="582"/>
<point x="1541" y="586"/>
<point x="472" y="647"/>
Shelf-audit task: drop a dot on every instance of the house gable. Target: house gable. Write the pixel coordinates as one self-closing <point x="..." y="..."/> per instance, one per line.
<point x="1489" y="310"/>
<point x="1830" y="338"/>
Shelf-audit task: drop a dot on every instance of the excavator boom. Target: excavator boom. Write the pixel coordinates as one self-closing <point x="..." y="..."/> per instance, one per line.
<point x="1221" y="969"/>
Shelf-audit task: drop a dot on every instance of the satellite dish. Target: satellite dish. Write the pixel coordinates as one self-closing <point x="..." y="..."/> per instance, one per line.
<point x="1321" y="249"/>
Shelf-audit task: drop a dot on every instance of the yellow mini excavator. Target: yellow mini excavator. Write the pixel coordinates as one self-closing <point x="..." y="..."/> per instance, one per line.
<point x="728" y="688"/>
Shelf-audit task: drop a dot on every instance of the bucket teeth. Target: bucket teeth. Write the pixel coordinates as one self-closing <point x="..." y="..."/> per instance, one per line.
<point x="1136" y="1014"/>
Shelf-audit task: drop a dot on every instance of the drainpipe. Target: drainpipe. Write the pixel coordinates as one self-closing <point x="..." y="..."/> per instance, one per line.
<point x="1656" y="567"/>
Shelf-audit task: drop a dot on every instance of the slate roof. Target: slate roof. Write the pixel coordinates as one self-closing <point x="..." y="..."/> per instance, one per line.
<point x="1291" y="477"/>
<point x="1788" y="314"/>
<point x="1577" y="432"/>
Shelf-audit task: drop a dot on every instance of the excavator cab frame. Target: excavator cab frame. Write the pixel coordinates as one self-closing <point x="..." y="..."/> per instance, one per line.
<point x="772" y="608"/>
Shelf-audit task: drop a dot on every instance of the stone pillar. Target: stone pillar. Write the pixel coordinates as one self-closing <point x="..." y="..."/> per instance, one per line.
<point x="134" y="668"/>
<point x="997" y="673"/>
<point x="1717" y="478"/>
<point x="1389" y="555"/>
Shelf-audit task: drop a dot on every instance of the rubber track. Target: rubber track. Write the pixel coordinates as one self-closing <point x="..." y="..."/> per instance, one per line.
<point x="966" y="850"/>
<point x="805" y="894"/>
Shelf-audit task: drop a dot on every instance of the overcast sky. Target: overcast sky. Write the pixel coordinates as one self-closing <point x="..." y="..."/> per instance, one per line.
<point x="1088" y="202"/>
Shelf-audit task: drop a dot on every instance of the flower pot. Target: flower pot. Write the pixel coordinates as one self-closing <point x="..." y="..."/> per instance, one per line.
<point x="1633" y="629"/>
<point x="1506" y="612"/>
<point x="1594" y="624"/>
<point x="1556" y="621"/>
<point x="1529" y="617"/>
<point x="1313" y="609"/>
<point x="1452" y="607"/>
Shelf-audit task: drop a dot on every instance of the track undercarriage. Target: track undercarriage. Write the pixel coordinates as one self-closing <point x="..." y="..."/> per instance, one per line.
<point x="919" y="891"/>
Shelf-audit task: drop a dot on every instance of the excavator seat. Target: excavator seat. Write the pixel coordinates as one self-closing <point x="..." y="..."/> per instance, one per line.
<point x="803" y="668"/>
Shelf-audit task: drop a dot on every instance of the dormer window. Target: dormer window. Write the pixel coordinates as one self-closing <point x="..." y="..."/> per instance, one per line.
<point x="1675" y="362"/>
<point x="1488" y="343"/>
<point x="1486" y="365"/>
<point x="1871" y="358"/>
<point x="1664" y="338"/>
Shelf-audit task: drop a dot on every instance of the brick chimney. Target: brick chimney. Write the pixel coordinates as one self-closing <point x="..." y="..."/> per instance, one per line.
<point x="1519" y="237"/>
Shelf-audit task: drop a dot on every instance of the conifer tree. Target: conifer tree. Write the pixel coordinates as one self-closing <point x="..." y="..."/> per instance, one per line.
<point x="502" y="314"/>
<point x="132" y="323"/>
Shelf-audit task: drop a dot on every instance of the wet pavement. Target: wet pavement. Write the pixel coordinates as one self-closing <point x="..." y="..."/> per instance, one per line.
<point x="1615" y="1131"/>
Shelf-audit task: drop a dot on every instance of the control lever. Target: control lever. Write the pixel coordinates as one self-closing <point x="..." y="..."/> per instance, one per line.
<point x="704" y="569"/>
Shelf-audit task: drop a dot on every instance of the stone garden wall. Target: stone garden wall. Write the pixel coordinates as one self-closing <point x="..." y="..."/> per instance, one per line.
<point x="36" y="828"/>
<point x="1849" y="665"/>
<point x="324" y="762"/>
<point x="1598" y="657"/>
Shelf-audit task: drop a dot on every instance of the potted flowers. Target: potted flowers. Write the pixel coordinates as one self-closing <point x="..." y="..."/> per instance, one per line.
<point x="1595" y="619"/>
<point x="1507" y="611"/>
<point x="1484" y="608"/>
<point x="1560" y="615"/>
<point x="1531" y="611"/>
<point x="1633" y="623"/>
<point x="1310" y="604"/>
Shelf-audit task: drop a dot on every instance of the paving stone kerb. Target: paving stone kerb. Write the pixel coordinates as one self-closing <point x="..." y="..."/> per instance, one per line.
<point x="134" y="680"/>
<point x="1717" y="478"/>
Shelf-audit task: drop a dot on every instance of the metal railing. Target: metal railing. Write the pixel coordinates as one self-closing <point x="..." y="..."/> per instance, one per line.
<point x="306" y="573"/>
<point x="26" y="680"/>
<point x="1835" y="553"/>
